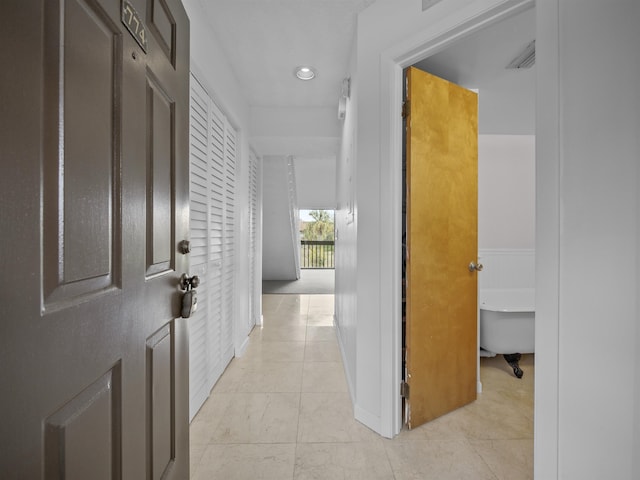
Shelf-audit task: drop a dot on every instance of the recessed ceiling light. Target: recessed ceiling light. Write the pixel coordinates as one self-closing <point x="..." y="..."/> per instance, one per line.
<point x="305" y="73"/>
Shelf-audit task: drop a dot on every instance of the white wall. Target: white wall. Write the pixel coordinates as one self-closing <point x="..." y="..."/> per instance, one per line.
<point x="213" y="70"/>
<point x="587" y="398"/>
<point x="295" y="131"/>
<point x="587" y="232"/>
<point x="280" y="237"/>
<point x="389" y="32"/>
<point x="316" y="183"/>
<point x="346" y="236"/>
<point x="506" y="192"/>
<point x="506" y="211"/>
<point x="310" y="136"/>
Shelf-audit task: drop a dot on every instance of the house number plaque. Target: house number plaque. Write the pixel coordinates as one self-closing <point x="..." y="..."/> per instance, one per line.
<point x="134" y="24"/>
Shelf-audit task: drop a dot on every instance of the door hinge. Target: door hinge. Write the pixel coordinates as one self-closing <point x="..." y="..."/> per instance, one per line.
<point x="404" y="390"/>
<point x="406" y="108"/>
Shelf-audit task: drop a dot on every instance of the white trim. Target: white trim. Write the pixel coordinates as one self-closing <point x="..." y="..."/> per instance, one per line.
<point x="240" y="351"/>
<point x="367" y="418"/>
<point x="390" y="265"/>
<point x="350" y="383"/>
<point x="548" y="229"/>
<point x="506" y="251"/>
<point x="392" y="62"/>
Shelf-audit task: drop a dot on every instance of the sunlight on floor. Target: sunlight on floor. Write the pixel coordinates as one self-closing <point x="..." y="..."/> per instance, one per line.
<point x="283" y="411"/>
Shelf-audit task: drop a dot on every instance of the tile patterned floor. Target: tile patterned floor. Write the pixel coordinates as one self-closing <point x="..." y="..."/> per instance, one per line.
<point x="282" y="411"/>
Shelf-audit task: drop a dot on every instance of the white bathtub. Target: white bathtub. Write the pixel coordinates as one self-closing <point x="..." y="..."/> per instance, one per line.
<point x="507" y="320"/>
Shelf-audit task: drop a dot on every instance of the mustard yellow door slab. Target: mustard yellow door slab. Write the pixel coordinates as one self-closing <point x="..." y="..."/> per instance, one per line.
<point x="441" y="295"/>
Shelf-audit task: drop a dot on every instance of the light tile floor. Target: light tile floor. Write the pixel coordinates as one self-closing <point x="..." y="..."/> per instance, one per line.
<point x="282" y="411"/>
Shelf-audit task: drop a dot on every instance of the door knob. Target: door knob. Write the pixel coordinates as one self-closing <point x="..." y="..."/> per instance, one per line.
<point x="477" y="267"/>
<point x="189" y="283"/>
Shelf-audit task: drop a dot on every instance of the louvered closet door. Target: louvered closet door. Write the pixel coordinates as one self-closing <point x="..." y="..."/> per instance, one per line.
<point x="218" y="359"/>
<point x="253" y="226"/>
<point x="229" y="240"/>
<point x="212" y="160"/>
<point x="199" y="205"/>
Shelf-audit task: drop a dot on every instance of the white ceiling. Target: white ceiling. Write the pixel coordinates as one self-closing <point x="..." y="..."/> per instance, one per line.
<point x="506" y="97"/>
<point x="265" y="40"/>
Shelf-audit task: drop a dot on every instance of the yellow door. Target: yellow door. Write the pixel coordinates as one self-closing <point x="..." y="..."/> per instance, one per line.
<point x="442" y="209"/>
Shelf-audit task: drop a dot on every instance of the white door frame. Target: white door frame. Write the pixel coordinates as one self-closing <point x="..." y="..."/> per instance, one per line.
<point x="392" y="63"/>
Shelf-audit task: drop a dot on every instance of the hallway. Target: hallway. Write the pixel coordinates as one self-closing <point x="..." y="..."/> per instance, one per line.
<point x="311" y="281"/>
<point x="283" y="411"/>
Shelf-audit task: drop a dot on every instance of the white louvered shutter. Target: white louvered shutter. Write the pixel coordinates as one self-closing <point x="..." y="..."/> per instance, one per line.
<point x="216" y="225"/>
<point x="199" y="256"/>
<point x="228" y="287"/>
<point x="212" y="223"/>
<point x="253" y="229"/>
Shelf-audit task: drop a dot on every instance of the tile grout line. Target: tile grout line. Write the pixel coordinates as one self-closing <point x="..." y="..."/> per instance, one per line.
<point x="473" y="447"/>
<point x="304" y="355"/>
<point x="298" y="448"/>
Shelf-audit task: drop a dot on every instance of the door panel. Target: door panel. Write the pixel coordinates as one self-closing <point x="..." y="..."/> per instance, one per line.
<point x="160" y="179"/>
<point x="160" y="393"/>
<point x="164" y="27"/>
<point x="86" y="427"/>
<point x="441" y="295"/>
<point x="93" y="357"/>
<point x="80" y="222"/>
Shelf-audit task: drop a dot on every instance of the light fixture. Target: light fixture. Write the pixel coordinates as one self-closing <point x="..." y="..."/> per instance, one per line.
<point x="526" y="58"/>
<point x="305" y="72"/>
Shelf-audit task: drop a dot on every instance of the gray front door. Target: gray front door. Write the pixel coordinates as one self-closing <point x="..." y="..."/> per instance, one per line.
<point x="94" y="191"/>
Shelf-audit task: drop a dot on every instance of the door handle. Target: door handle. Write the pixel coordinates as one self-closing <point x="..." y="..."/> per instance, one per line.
<point x="477" y="267"/>
<point x="189" y="283"/>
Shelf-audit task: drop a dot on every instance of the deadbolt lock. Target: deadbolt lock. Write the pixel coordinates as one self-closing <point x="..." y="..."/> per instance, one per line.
<point x="184" y="247"/>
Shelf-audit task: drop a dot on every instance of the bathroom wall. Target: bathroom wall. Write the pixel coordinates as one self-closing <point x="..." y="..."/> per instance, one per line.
<point x="506" y="192"/>
<point x="506" y="211"/>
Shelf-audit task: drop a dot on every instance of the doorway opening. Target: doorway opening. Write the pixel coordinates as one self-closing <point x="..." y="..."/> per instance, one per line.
<point x="317" y="239"/>
<point x="506" y="166"/>
<point x="316" y="245"/>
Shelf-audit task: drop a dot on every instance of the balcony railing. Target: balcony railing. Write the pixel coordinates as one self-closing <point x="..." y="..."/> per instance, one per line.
<point x="317" y="254"/>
